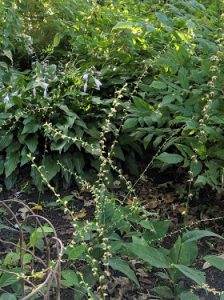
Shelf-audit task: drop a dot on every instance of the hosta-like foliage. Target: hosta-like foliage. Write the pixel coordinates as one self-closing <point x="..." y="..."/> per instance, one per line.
<point x="62" y="63"/>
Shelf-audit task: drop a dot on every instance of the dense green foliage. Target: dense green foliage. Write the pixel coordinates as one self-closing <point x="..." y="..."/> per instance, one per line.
<point x="55" y="59"/>
<point x="88" y="90"/>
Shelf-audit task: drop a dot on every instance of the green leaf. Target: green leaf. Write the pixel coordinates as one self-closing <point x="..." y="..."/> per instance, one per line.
<point x="36" y="240"/>
<point x="57" y="39"/>
<point x="12" y="160"/>
<point x="69" y="278"/>
<point x="123" y="267"/>
<point x="183" y="78"/>
<point x="188" y="253"/>
<point x="163" y="19"/>
<point x="163" y="291"/>
<point x="195" y="235"/>
<point x="215" y="261"/>
<point x="201" y="181"/>
<point x="193" y="274"/>
<point x="27" y="258"/>
<point x="31" y="141"/>
<point x="170" y="158"/>
<point x="195" y="168"/>
<point x="159" y="85"/>
<point x="184" y="253"/>
<point x="76" y="252"/>
<point x="8" y="296"/>
<point x="150" y="255"/>
<point x="8" y="54"/>
<point x="161" y="228"/>
<point x="188" y="296"/>
<point x="147" y="139"/>
<point x="79" y="162"/>
<point x="147" y="225"/>
<point x="130" y="123"/>
<point x="58" y="145"/>
<point x="7" y="279"/>
<point x="45" y="229"/>
<point x="11" y="259"/>
<point x="24" y="156"/>
<point x="51" y="168"/>
<point x="126" y="25"/>
<point x="30" y="125"/>
<point x="5" y="140"/>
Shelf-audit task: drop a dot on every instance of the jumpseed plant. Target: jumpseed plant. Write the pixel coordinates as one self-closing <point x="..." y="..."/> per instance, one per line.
<point x="119" y="233"/>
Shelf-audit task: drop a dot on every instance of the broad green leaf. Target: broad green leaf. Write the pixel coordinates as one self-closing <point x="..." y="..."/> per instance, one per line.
<point x="193" y="274"/>
<point x="24" y="156"/>
<point x="215" y="261"/>
<point x="163" y="291"/>
<point x="58" y="145"/>
<point x="45" y="229"/>
<point x="11" y="259"/>
<point x="183" y="78"/>
<point x="69" y="278"/>
<point x="161" y="228"/>
<point x="12" y="160"/>
<point x="7" y="279"/>
<point x="170" y="158"/>
<point x="195" y="168"/>
<point x="118" y="153"/>
<point x="147" y="140"/>
<point x="201" y="181"/>
<point x="188" y="253"/>
<point x="148" y="254"/>
<point x="30" y="125"/>
<point x="130" y="123"/>
<point x="27" y="258"/>
<point x="79" y="162"/>
<point x="122" y="266"/>
<point x="163" y="19"/>
<point x="184" y="253"/>
<point x="147" y="225"/>
<point x="31" y="141"/>
<point x="5" y="140"/>
<point x="76" y="252"/>
<point x="8" y="296"/>
<point x="159" y="85"/>
<point x="195" y="235"/>
<point x="188" y="296"/>
<point x="51" y="167"/>
<point x="8" y="54"/>
<point x="57" y="39"/>
<point x="36" y="240"/>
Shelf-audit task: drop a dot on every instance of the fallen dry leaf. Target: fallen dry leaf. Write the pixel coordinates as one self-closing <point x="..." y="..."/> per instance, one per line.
<point x="145" y="280"/>
<point x="23" y="211"/>
<point x="37" y="207"/>
<point x="141" y="273"/>
<point x="169" y="198"/>
<point x="152" y="203"/>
